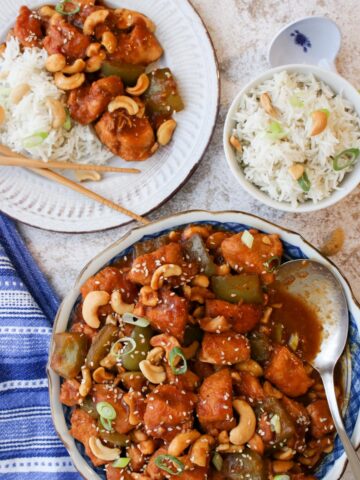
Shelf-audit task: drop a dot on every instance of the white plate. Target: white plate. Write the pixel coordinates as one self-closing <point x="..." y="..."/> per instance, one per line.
<point x="191" y="57"/>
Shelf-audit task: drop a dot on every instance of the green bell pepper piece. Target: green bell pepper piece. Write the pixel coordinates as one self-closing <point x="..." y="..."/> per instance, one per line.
<point x="162" y="97"/>
<point x="69" y="353"/>
<point x="236" y="288"/>
<point x="128" y="73"/>
<point x="130" y="361"/>
<point x="101" y="345"/>
<point x="196" y="249"/>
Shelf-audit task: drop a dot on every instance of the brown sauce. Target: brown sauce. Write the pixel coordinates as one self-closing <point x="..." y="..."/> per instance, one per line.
<point x="294" y="317"/>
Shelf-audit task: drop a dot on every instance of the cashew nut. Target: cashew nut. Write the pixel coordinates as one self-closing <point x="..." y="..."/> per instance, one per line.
<point x="250" y="366"/>
<point x="218" y="324"/>
<point x="282" y="466"/>
<point x="2" y="49"/>
<point x="190" y="351"/>
<point x="201" y="281"/>
<point x="93" y="49"/>
<point x="2" y="115"/>
<point x="57" y="111"/>
<point x="256" y="444"/>
<point x="94" y="63"/>
<point x="285" y="454"/>
<point x="124" y="102"/>
<point x="108" y="40"/>
<point x="147" y="447"/>
<point x="86" y="382"/>
<point x="319" y="122"/>
<point x="247" y="423"/>
<point x="100" y="375"/>
<point x="77" y="67"/>
<point x="84" y="175"/>
<point x="148" y="296"/>
<point x="155" y="355"/>
<point x="55" y="63"/>
<point x="222" y="270"/>
<point x="265" y="102"/>
<point x="227" y="448"/>
<point x="165" y="271"/>
<point x="19" y="92"/>
<point x="69" y="83"/>
<point x="154" y="373"/>
<point x="94" y="19"/>
<point x="131" y="400"/>
<point x="141" y="86"/>
<point x="166" y="131"/>
<point x="271" y="391"/>
<point x="296" y="170"/>
<point x="182" y="441"/>
<point x="138" y="436"/>
<point x="100" y="451"/>
<point x="92" y="302"/>
<point x="200" y="450"/>
<point x="191" y="230"/>
<point x="235" y="142"/>
<point x="46" y="11"/>
<point x="223" y="437"/>
<point x="118" y="305"/>
<point x="109" y="361"/>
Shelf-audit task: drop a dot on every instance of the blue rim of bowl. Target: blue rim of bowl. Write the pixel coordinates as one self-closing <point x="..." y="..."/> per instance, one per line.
<point x="291" y="252"/>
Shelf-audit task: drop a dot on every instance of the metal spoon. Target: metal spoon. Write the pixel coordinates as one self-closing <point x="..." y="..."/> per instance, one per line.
<point x="320" y="289"/>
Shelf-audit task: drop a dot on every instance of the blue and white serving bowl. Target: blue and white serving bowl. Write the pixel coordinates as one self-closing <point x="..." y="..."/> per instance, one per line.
<point x="295" y="247"/>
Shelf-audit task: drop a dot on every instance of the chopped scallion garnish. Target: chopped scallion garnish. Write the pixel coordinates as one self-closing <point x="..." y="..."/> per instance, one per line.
<point x="326" y="111"/>
<point x="272" y="264"/>
<point x="68" y="123"/>
<point x="217" y="461"/>
<point x="106" y="410"/>
<point x="275" y="131"/>
<point x="106" y="424"/>
<point x="247" y="239"/>
<point x="61" y="7"/>
<point x="275" y="424"/>
<point x="130" y="346"/>
<point x="175" y="354"/>
<point x="121" y="462"/>
<point x="34" y="140"/>
<point x="133" y="319"/>
<point x="345" y="159"/>
<point x="282" y="477"/>
<point x="294" y="341"/>
<point x="304" y="182"/>
<point x="168" y="463"/>
<point x="296" y="102"/>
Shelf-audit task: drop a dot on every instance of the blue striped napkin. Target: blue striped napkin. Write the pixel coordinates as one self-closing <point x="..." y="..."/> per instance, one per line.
<point x="29" y="445"/>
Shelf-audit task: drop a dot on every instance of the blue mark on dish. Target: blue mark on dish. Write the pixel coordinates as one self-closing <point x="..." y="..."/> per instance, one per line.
<point x="301" y="40"/>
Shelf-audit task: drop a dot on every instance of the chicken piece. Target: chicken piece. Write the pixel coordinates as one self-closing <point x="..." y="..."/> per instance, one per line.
<point x="301" y="418"/>
<point x="251" y="260"/>
<point x="250" y="387"/>
<point x="137" y="47"/>
<point x="27" y="28"/>
<point x="321" y="421"/>
<point x="66" y="39"/>
<point x="168" y="412"/>
<point x="137" y="459"/>
<point x="152" y="470"/>
<point x="110" y="279"/>
<point x="214" y="408"/>
<point x="189" y="381"/>
<point x="225" y="348"/>
<point x="83" y="426"/>
<point x="79" y="326"/>
<point x="286" y="371"/>
<point x="169" y="316"/>
<point x="192" y="472"/>
<point x="130" y="137"/>
<point x="114" y="396"/>
<point x="243" y="317"/>
<point x="69" y="393"/>
<point x="113" y="473"/>
<point x="87" y="103"/>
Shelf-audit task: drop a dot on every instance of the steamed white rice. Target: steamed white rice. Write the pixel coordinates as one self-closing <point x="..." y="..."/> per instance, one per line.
<point x="32" y="115"/>
<point x="266" y="161"/>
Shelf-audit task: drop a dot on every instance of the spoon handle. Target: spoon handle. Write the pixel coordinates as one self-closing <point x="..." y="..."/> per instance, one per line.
<point x="328" y="379"/>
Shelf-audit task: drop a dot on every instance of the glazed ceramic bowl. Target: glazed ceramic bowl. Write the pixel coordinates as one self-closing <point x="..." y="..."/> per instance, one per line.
<point x="339" y="85"/>
<point x="294" y="246"/>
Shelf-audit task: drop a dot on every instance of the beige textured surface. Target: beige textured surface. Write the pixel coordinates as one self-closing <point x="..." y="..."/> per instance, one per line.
<point x="241" y="31"/>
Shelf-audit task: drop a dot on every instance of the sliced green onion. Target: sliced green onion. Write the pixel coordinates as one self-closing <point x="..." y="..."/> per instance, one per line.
<point x="282" y="477"/>
<point x="275" y="424"/>
<point x="272" y="264"/>
<point x="275" y="131"/>
<point x="106" y="424"/>
<point x="304" y="182"/>
<point x="278" y="332"/>
<point x="121" y="462"/>
<point x="326" y="111"/>
<point x="174" y="354"/>
<point x="60" y="7"/>
<point x="217" y="461"/>
<point x="247" y="239"/>
<point x="350" y="156"/>
<point x="296" y="102"/>
<point x="294" y="341"/>
<point x="162" y="461"/>
<point x="34" y="140"/>
<point x="119" y="352"/>
<point x="68" y="123"/>
<point x="106" y="410"/>
<point x="135" y="320"/>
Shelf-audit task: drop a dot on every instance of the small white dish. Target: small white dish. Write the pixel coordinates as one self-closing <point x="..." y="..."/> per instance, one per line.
<point x="310" y="40"/>
<point x="339" y="85"/>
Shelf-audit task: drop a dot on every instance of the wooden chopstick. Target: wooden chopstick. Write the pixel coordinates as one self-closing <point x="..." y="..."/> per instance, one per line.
<point x="20" y="161"/>
<point x="78" y="188"/>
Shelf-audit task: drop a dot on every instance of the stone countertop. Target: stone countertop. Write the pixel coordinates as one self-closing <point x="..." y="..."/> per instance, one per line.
<point x="241" y="31"/>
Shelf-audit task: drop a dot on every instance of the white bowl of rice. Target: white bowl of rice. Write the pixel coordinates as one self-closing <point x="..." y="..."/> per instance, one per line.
<point x="274" y="153"/>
